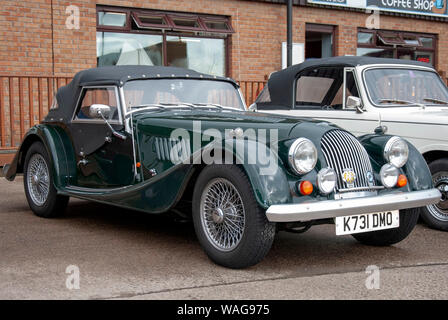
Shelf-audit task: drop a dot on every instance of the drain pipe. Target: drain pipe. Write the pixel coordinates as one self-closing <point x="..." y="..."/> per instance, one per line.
<point x="289" y="33"/>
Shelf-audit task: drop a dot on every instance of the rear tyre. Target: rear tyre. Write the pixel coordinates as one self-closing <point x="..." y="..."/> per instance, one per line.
<point x="436" y="215"/>
<point x="230" y="225"/>
<point x="408" y="220"/>
<point x="38" y="182"/>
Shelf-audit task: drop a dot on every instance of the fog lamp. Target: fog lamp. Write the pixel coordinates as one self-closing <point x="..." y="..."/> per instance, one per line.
<point x="389" y="175"/>
<point x="326" y="180"/>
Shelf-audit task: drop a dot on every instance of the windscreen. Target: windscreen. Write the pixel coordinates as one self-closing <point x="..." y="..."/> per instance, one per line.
<point x="389" y="87"/>
<point x="178" y="91"/>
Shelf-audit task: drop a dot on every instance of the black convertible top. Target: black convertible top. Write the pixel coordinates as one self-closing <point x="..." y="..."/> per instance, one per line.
<point x="120" y="74"/>
<point x="115" y="75"/>
<point x="281" y="83"/>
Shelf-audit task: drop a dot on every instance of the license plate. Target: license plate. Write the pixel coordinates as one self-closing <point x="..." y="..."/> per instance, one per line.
<point x="367" y="222"/>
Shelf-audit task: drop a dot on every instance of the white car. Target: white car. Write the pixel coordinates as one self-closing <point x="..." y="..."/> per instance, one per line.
<point x="365" y="94"/>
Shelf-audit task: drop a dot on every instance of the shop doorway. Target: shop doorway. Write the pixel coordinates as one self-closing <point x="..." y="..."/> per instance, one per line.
<point x="319" y="41"/>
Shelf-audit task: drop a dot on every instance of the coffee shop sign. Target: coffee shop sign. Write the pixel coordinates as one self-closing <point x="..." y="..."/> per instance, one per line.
<point x="421" y="7"/>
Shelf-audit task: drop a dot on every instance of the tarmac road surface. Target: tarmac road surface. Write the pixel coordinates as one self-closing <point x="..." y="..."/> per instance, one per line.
<point x="123" y="254"/>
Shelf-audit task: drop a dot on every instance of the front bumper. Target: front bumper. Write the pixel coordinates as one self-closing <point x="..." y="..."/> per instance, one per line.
<point x="345" y="207"/>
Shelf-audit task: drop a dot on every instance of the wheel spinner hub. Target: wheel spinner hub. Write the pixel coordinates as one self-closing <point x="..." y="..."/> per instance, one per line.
<point x="218" y="215"/>
<point x="35" y="180"/>
<point x="440" y="210"/>
<point x="443" y="188"/>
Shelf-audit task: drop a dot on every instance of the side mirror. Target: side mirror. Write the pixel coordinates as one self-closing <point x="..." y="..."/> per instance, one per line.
<point x="253" y="107"/>
<point x="99" y="111"/>
<point x="354" y="103"/>
<point x="102" y="111"/>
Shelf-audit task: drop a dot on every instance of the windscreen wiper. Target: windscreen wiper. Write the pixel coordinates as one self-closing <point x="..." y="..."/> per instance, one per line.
<point x="216" y="105"/>
<point x="208" y="106"/>
<point x="162" y="106"/>
<point x="433" y="100"/>
<point x="150" y="105"/>
<point x="397" y="101"/>
<point x="179" y="105"/>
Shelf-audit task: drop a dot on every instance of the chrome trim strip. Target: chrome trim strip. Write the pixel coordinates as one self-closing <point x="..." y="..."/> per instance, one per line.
<point x="361" y="189"/>
<point x="243" y="101"/>
<point x="355" y="194"/>
<point x="129" y="127"/>
<point x="337" y="208"/>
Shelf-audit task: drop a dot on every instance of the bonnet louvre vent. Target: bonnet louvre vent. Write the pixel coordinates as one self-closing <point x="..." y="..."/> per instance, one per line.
<point x="165" y="146"/>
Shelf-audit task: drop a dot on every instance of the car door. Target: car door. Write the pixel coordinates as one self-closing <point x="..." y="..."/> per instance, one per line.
<point x="323" y="95"/>
<point x="103" y="159"/>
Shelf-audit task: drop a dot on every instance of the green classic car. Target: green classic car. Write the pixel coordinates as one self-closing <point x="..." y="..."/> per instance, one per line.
<point x="162" y="139"/>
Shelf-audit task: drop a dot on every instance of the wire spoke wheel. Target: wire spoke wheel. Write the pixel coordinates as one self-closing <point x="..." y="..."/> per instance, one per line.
<point x="222" y="214"/>
<point x="231" y="226"/>
<point x="38" y="179"/>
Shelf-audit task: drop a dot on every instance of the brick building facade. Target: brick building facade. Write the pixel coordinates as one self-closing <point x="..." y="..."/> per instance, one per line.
<point x="41" y="50"/>
<point x="34" y="39"/>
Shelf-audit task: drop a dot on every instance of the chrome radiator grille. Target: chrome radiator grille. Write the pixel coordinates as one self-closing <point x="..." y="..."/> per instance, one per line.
<point x="343" y="152"/>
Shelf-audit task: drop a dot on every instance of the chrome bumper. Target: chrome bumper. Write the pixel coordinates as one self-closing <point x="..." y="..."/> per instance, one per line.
<point x="345" y="207"/>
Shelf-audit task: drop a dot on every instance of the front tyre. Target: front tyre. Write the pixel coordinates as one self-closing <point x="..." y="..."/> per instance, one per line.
<point x="408" y="220"/>
<point x="38" y="182"/>
<point x="230" y="225"/>
<point x="436" y="215"/>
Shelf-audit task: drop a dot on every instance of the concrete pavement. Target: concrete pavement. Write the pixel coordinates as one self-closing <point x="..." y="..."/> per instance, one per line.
<point x="129" y="255"/>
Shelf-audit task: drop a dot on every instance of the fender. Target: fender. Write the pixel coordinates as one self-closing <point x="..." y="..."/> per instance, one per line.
<point x="415" y="169"/>
<point x="264" y="171"/>
<point x="57" y="144"/>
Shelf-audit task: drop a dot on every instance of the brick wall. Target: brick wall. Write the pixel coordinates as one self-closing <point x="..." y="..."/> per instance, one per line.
<point x="26" y="34"/>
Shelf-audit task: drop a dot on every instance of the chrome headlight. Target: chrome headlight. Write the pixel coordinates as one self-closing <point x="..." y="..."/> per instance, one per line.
<point x="389" y="175"/>
<point x="302" y="156"/>
<point x="326" y="180"/>
<point x="396" y="152"/>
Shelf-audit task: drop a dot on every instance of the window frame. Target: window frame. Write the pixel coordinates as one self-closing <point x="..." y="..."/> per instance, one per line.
<point x="395" y="48"/>
<point x="226" y="48"/>
<point x="204" y="32"/>
<point x="364" y="81"/>
<point x="127" y="27"/>
<point x="344" y="87"/>
<point x="192" y="17"/>
<point x="145" y="32"/>
<point x="98" y="121"/>
<point x="135" y="15"/>
<point x="217" y="19"/>
<point x="130" y="111"/>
